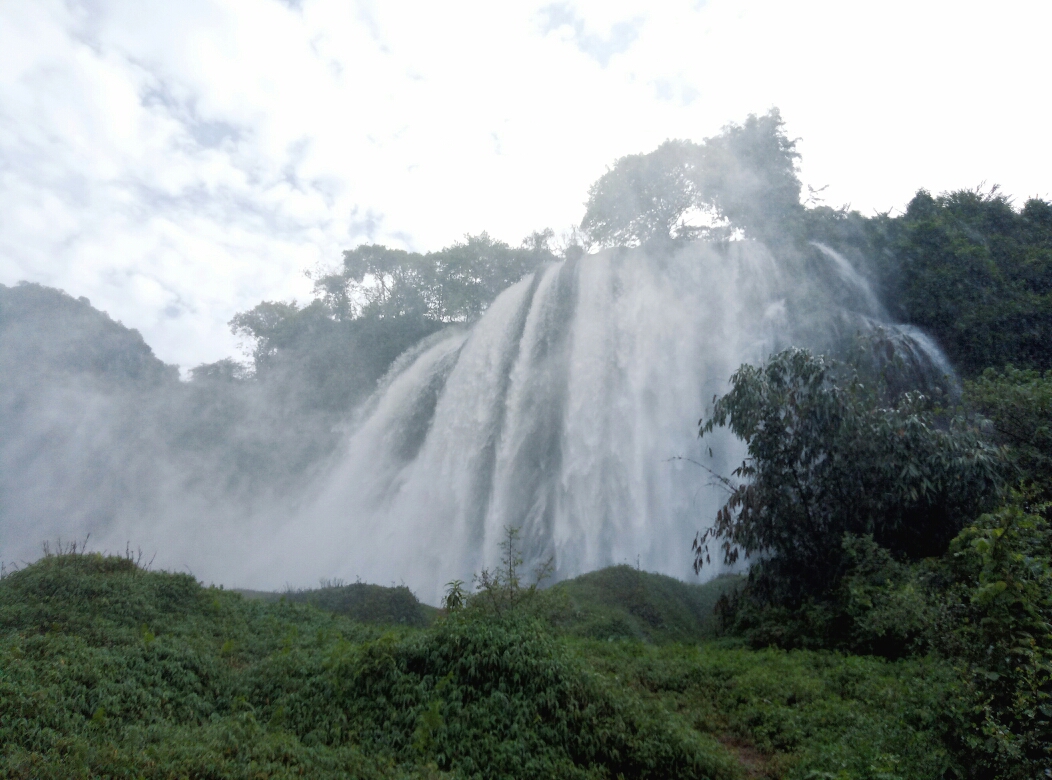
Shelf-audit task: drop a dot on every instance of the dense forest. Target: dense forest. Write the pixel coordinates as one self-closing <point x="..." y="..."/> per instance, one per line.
<point x="896" y="619"/>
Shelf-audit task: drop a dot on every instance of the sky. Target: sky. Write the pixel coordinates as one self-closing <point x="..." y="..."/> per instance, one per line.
<point x="179" y="162"/>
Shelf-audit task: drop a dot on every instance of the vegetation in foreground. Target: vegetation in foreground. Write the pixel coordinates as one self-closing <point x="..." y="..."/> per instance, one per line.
<point x="107" y="670"/>
<point x="884" y="523"/>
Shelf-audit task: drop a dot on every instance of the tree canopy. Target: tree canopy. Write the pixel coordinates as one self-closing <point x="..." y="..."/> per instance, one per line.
<point x="975" y="272"/>
<point x="829" y="456"/>
<point x="454" y="284"/>
<point x="742" y="179"/>
<point x="380" y="302"/>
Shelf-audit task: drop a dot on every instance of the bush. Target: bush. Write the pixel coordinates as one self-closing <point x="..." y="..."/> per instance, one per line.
<point x="106" y="669"/>
<point x="1018" y="404"/>
<point x="1002" y="718"/>
<point x="830" y="455"/>
<point x="487" y="697"/>
<point x="367" y="603"/>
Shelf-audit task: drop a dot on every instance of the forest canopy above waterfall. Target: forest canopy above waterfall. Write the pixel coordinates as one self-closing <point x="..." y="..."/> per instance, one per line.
<point x="967" y="266"/>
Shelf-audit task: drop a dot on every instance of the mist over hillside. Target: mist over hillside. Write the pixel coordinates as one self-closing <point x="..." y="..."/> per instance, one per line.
<point x="422" y="401"/>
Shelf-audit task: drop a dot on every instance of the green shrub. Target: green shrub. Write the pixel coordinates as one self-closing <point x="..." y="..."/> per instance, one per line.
<point x="890" y="607"/>
<point x="489" y="697"/>
<point x="108" y="670"/>
<point x="807" y="714"/>
<point x="621" y="602"/>
<point x="368" y="603"/>
<point x="1002" y="718"/>
<point x="1018" y="405"/>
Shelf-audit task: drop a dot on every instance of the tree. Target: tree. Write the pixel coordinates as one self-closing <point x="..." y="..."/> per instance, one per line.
<point x="329" y="354"/>
<point x="748" y="174"/>
<point x="1018" y="404"/>
<point x="744" y="178"/>
<point x="268" y="324"/>
<point x="644" y="197"/>
<point x="501" y="590"/>
<point x="829" y="455"/>
<point x="454" y="284"/>
<point x="975" y="273"/>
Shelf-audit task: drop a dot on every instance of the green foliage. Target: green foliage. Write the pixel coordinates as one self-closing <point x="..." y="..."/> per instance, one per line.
<point x="327" y="356"/>
<point x="889" y="480"/>
<point x="621" y="602"/>
<point x="975" y="273"/>
<point x="1018" y="403"/>
<point x="365" y="603"/>
<point x="828" y="457"/>
<point x="319" y="361"/>
<point x="1002" y="714"/>
<point x="501" y="590"/>
<point x="106" y="669"/>
<point x="455" y="284"/>
<point x="500" y="698"/>
<point x="986" y="607"/>
<point x="891" y="608"/>
<point x="744" y="178"/>
<point x="749" y="174"/>
<point x="797" y="714"/>
<point x="644" y="196"/>
<point x="455" y="597"/>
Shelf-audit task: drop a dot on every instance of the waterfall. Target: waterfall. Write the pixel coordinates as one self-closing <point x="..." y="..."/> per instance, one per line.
<point x="570" y="411"/>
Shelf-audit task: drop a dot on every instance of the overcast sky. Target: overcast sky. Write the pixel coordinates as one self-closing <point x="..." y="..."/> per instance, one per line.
<point x="177" y="162"/>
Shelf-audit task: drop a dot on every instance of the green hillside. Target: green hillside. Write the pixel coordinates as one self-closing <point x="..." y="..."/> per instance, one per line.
<point x="360" y="601"/>
<point x="617" y="602"/>
<point x="107" y="670"/>
<point x="621" y="602"/>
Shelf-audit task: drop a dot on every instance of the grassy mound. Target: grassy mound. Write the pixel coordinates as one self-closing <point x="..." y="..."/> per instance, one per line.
<point x="620" y="602"/>
<point x="109" y="670"/>
<point x="360" y="601"/>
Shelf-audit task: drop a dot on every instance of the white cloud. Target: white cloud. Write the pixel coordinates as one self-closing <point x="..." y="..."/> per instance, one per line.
<point x="179" y="162"/>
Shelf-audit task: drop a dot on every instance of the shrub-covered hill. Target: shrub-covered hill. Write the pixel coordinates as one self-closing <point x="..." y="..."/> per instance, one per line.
<point x="109" y="670"/>
<point x="360" y="601"/>
<point x="618" y="602"/>
<point x="621" y="602"/>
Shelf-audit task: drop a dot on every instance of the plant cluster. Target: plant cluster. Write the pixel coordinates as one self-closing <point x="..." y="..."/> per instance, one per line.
<point x="501" y="590"/>
<point x="798" y="714"/>
<point x="742" y="179"/>
<point x="110" y="670"/>
<point x="976" y="273"/>
<point x="829" y="455"/>
<point x="866" y="514"/>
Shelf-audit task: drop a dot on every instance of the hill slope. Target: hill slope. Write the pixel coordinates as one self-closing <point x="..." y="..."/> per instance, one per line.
<point x="617" y="602"/>
<point x="620" y="602"/>
<point x="360" y="601"/>
<point x="109" y="670"/>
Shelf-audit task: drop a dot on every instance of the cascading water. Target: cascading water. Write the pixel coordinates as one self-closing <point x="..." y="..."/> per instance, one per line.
<point x="569" y="411"/>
